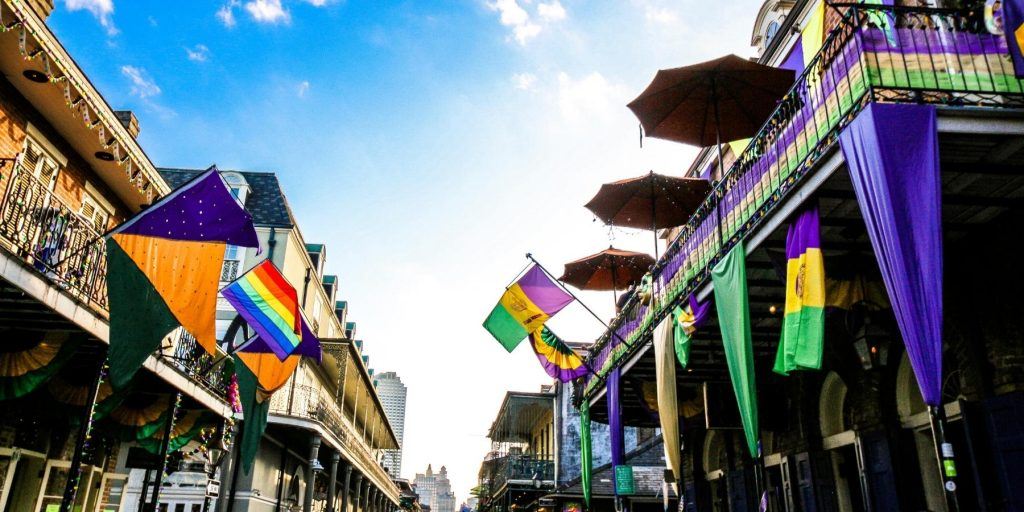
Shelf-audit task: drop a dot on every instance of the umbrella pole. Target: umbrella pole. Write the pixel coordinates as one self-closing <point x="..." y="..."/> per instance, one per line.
<point x="721" y="164"/>
<point x="615" y="287"/>
<point x="654" y="220"/>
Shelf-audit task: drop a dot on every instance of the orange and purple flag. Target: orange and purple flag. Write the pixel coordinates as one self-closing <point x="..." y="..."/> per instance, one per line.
<point x="164" y="268"/>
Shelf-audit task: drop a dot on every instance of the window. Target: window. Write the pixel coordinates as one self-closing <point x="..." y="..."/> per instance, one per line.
<point x="94" y="213"/>
<point x="232" y="263"/>
<point x="237" y="184"/>
<point x="40" y="162"/>
<point x="773" y="29"/>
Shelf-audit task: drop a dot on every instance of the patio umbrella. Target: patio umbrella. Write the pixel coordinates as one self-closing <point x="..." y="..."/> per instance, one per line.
<point x="610" y="269"/>
<point x="652" y="201"/>
<point x="727" y="98"/>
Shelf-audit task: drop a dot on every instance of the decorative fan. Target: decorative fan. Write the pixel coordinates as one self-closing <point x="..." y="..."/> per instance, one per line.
<point x="29" y="358"/>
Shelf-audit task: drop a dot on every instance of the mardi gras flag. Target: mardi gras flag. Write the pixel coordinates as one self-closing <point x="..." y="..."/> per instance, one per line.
<point x="164" y="269"/>
<point x="259" y="376"/>
<point x="265" y="300"/>
<point x="729" y="278"/>
<point x="686" y="321"/>
<point x="1013" y="25"/>
<point x="524" y="307"/>
<point x="803" y="326"/>
<point x="558" y="360"/>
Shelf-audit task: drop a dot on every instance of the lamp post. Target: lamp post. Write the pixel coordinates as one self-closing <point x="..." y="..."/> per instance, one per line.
<point x="214" y="458"/>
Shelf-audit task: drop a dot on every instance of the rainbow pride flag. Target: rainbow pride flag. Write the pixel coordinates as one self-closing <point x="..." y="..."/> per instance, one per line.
<point x="524" y="307"/>
<point x="265" y="300"/>
<point x="557" y="359"/>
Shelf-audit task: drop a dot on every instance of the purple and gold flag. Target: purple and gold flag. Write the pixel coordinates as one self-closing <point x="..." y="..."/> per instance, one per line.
<point x="524" y="307"/>
<point x="557" y="359"/>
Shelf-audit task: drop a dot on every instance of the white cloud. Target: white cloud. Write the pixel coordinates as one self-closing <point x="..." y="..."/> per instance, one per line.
<point x="198" y="53"/>
<point x="317" y="3"/>
<point x="661" y="15"/>
<point x="551" y="11"/>
<point x="102" y="10"/>
<point x="524" y="81"/>
<point x="267" y="11"/>
<point x="226" y="13"/>
<point x="589" y="97"/>
<point x="303" y="88"/>
<point x="513" y="15"/>
<point x="142" y="85"/>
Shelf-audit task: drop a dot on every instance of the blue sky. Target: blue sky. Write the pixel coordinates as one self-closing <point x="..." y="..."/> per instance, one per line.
<point x="429" y="144"/>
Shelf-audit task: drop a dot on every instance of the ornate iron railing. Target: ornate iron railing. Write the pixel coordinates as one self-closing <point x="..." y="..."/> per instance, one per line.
<point x="499" y="471"/>
<point x="875" y="54"/>
<point x="192" y="360"/>
<point x="47" y="233"/>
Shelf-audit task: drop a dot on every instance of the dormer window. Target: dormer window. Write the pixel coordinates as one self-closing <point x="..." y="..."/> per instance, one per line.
<point x="237" y="184"/>
<point x="773" y="29"/>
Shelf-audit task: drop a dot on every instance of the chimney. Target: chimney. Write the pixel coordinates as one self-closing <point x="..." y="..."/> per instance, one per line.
<point x="129" y="121"/>
<point x="43" y="8"/>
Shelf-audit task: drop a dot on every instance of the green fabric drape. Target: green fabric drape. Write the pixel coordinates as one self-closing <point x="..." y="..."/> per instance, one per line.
<point x="586" y="456"/>
<point x="18" y="386"/>
<point x="730" y="284"/>
<point x="254" y="413"/>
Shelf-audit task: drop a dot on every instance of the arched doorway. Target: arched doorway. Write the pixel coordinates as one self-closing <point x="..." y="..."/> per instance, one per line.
<point x="716" y="465"/>
<point x="840" y="441"/>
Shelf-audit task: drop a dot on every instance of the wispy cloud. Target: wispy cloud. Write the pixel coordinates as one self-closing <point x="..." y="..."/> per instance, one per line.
<point x="303" y="88"/>
<point x="102" y="10"/>
<point x="226" y="13"/>
<point x="198" y="53"/>
<point x="524" y="81"/>
<point x="267" y="11"/>
<point x="590" y="97"/>
<point x="142" y="85"/>
<point x="524" y="28"/>
<point x="318" y="3"/>
<point x="551" y="11"/>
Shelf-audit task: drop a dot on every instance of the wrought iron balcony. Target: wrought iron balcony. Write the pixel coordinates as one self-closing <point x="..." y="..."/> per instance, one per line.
<point x="43" y="230"/>
<point x="188" y="357"/>
<point x="513" y="468"/>
<point x="876" y="54"/>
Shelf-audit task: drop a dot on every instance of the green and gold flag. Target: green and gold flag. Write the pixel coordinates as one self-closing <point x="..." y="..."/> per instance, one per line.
<point x="524" y="307"/>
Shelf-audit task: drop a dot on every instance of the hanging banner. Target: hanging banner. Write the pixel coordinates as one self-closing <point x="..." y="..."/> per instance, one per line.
<point x="892" y="151"/>
<point x="668" y="405"/>
<point x="731" y="300"/>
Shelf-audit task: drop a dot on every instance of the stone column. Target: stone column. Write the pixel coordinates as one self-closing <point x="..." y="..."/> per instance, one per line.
<point x="356" y="504"/>
<point x="346" y="480"/>
<point x="332" y="480"/>
<point x="365" y="505"/>
<point x="314" y="449"/>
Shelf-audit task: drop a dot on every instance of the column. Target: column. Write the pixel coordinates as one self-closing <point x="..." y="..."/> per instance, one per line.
<point x="356" y="504"/>
<point x="314" y="450"/>
<point x="332" y="480"/>
<point x="365" y="505"/>
<point x="345" y="500"/>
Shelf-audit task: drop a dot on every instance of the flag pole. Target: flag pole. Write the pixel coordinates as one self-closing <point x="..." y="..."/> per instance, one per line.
<point x="577" y="299"/>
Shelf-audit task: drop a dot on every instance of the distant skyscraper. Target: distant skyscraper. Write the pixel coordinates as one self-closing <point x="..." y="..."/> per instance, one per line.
<point x="435" y="490"/>
<point x="392" y="394"/>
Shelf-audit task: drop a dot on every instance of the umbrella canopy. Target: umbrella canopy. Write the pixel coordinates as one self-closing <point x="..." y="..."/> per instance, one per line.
<point x="610" y="269"/>
<point x="724" y="99"/>
<point x="652" y="201"/>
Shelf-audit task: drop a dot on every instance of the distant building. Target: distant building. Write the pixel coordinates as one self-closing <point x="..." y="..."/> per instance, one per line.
<point x="435" y="490"/>
<point x="392" y="394"/>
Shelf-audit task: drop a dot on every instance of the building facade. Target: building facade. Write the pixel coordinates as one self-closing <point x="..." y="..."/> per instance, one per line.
<point x="392" y="394"/>
<point x="855" y="435"/>
<point x="435" y="490"/>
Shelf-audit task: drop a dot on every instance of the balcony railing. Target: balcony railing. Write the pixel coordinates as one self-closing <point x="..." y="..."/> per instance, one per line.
<point x="876" y="54"/>
<point x="191" y="359"/>
<point x="48" y="234"/>
<point x="500" y="471"/>
<point x="312" y="403"/>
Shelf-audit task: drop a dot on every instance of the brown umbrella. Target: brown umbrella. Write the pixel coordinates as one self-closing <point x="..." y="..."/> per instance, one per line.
<point x="652" y="201"/>
<point x="727" y="98"/>
<point x="610" y="269"/>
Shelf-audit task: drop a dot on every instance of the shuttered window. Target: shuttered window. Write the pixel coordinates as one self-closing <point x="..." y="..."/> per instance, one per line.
<point x="40" y="163"/>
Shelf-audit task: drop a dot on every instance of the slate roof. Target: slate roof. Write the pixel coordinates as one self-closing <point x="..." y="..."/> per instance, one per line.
<point x="329" y="279"/>
<point x="266" y="201"/>
<point x="341" y="304"/>
<point x="314" y="247"/>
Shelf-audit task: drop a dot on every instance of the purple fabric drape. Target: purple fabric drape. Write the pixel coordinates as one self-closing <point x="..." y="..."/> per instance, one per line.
<point x="795" y="59"/>
<point x="893" y="156"/>
<point x="615" y="417"/>
<point x="1013" y="22"/>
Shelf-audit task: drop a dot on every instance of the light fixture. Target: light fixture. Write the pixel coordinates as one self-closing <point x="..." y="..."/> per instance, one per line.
<point x="104" y="155"/>
<point x="36" y="76"/>
<point x="317" y="467"/>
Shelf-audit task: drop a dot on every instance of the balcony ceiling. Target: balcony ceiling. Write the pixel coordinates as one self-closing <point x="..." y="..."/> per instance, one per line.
<point x="983" y="183"/>
<point x="519" y="414"/>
